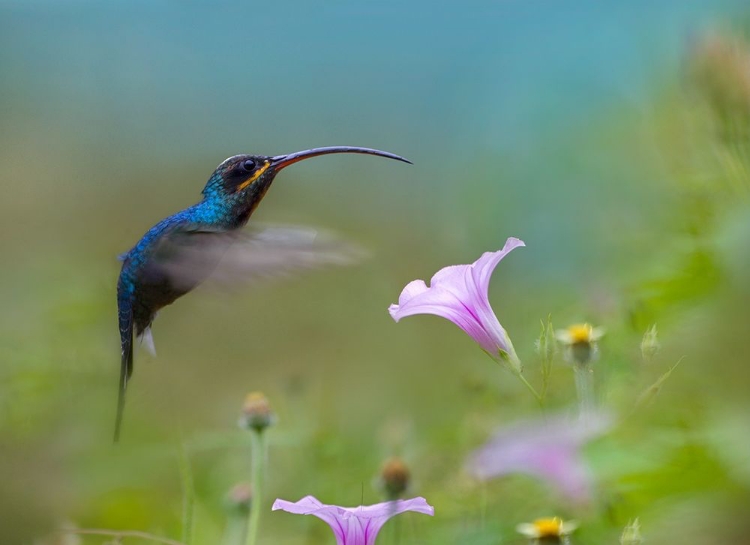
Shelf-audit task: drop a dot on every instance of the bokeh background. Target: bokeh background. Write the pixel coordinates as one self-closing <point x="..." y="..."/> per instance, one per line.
<point x="612" y="137"/>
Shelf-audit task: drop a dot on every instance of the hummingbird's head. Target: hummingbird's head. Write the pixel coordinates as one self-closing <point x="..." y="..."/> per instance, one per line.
<point x="234" y="177"/>
<point x="244" y="179"/>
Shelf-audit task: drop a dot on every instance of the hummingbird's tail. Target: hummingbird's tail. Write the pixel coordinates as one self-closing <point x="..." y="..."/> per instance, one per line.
<point x="125" y="316"/>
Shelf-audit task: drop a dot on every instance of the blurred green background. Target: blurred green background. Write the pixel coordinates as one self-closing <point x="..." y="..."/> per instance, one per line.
<point x="613" y="138"/>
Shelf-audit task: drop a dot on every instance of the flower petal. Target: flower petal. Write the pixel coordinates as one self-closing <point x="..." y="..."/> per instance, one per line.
<point x="459" y="280"/>
<point x="354" y="525"/>
<point x="527" y="529"/>
<point x="433" y="300"/>
<point x="443" y="303"/>
<point x="377" y="515"/>
<point x="391" y="508"/>
<point x="454" y="279"/>
<point x="440" y="300"/>
<point x="547" y="449"/>
<point x="483" y="267"/>
<point x="560" y="466"/>
<point x="459" y="293"/>
<point x="309" y="505"/>
<point x="412" y="290"/>
<point x="305" y="506"/>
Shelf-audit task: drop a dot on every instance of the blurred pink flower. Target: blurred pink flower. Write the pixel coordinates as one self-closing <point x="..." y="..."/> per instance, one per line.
<point x="549" y="449"/>
<point x="354" y="525"/>
<point x="459" y="293"/>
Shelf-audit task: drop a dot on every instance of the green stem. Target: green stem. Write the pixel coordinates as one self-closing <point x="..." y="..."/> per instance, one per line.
<point x="483" y="505"/>
<point x="188" y="496"/>
<point x="510" y="361"/>
<point x="257" y="451"/>
<point x="530" y="388"/>
<point x="235" y="531"/>
<point x="585" y="389"/>
<point x="397" y="531"/>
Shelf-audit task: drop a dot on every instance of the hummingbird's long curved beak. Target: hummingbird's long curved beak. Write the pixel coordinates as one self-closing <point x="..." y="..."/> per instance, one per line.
<point x="283" y="161"/>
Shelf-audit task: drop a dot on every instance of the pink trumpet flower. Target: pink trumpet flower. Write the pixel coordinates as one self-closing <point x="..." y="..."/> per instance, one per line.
<point x="354" y="525"/>
<point x="460" y="293"/>
<point x="549" y="449"/>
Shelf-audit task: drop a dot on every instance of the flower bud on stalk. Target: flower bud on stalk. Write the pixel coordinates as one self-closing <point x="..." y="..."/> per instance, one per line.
<point x="239" y="498"/>
<point x="394" y="478"/>
<point x="256" y="417"/>
<point x="256" y="412"/>
<point x="581" y="350"/>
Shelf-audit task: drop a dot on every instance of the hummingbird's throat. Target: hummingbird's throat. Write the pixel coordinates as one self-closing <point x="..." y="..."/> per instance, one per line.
<point x="257" y="174"/>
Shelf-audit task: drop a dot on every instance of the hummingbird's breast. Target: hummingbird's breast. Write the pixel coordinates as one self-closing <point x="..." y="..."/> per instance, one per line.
<point x="151" y="270"/>
<point x="143" y="276"/>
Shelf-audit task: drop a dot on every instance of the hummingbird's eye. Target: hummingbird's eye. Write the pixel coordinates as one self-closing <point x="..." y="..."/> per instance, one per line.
<point x="248" y="165"/>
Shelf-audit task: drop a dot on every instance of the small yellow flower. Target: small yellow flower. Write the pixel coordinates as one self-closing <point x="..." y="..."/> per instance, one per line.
<point x="580" y="341"/>
<point x="546" y="528"/>
<point x="580" y="334"/>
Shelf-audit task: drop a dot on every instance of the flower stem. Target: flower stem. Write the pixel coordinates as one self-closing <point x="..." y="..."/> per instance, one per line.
<point x="584" y="376"/>
<point x="188" y="496"/>
<point x="510" y="361"/>
<point x="530" y="388"/>
<point x="257" y="451"/>
<point x="235" y="531"/>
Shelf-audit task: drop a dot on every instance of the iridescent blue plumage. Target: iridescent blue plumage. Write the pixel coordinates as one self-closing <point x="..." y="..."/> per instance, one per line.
<point x="179" y="252"/>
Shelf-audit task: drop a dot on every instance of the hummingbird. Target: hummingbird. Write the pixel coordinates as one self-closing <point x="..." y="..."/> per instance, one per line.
<point x="181" y="251"/>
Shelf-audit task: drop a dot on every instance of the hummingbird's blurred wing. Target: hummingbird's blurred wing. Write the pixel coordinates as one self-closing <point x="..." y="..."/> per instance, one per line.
<point x="188" y="258"/>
